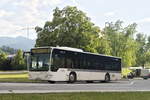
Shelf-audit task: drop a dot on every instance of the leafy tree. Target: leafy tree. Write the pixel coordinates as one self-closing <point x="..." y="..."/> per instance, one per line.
<point x="5" y="62"/>
<point x="3" y="57"/>
<point x="8" y="50"/>
<point x="147" y="58"/>
<point x="70" y="27"/>
<point x="104" y="46"/>
<point x="148" y="44"/>
<point x="1" y="50"/>
<point x="141" y="40"/>
<point x="18" y="62"/>
<point x="122" y="42"/>
<point x="143" y="49"/>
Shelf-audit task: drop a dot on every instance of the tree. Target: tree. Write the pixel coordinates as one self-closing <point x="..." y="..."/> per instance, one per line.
<point x="70" y="27"/>
<point x="5" y="62"/>
<point x="3" y="57"/>
<point x="141" y="40"/>
<point x="8" y="50"/>
<point x="104" y="46"/>
<point x="148" y="44"/>
<point x="1" y="50"/>
<point x="147" y="58"/>
<point x="122" y="42"/>
<point x="143" y="52"/>
<point x="18" y="62"/>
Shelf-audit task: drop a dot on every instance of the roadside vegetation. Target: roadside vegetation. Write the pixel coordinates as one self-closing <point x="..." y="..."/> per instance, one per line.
<point x="20" y="80"/>
<point x="13" y="75"/>
<point x="79" y="96"/>
<point x="17" y="62"/>
<point x="16" y="77"/>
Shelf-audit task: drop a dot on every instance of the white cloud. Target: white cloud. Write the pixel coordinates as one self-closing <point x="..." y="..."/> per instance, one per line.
<point x="32" y="11"/>
<point x="24" y="13"/>
<point x="51" y="2"/>
<point x="37" y="3"/>
<point x="4" y="13"/>
<point x="75" y="2"/>
<point x="145" y="20"/>
<point x="3" y="2"/>
<point x="30" y="6"/>
<point x="7" y="28"/>
<point x="109" y="14"/>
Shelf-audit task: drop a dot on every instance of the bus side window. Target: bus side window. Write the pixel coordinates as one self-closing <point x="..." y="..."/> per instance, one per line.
<point x="69" y="63"/>
<point x="116" y="66"/>
<point x="108" y="65"/>
<point x="58" y="61"/>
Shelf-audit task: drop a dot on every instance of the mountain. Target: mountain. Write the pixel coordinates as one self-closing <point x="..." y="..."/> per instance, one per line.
<point x="17" y="42"/>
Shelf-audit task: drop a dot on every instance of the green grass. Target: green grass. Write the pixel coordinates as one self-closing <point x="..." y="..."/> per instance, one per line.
<point x="20" y="80"/>
<point x="16" y="77"/>
<point x="79" y="96"/>
<point x="12" y="75"/>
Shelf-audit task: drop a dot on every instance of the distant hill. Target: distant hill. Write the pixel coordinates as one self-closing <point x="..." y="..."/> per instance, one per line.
<point x="17" y="43"/>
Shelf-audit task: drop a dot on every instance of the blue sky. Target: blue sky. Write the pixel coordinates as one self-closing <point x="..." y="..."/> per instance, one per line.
<point x="16" y="15"/>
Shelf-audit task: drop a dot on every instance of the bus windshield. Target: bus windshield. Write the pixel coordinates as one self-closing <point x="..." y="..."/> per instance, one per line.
<point x="40" y="62"/>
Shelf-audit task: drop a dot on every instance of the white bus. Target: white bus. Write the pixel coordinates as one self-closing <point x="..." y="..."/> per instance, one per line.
<point x="71" y="65"/>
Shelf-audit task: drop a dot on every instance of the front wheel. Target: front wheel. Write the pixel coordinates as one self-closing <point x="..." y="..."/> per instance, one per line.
<point x="89" y="81"/>
<point x="107" y="78"/>
<point x="52" y="82"/>
<point x="72" y="77"/>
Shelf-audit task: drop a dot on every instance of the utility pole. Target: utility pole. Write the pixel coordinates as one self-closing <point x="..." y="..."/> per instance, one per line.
<point x="27" y="31"/>
<point x="28" y="28"/>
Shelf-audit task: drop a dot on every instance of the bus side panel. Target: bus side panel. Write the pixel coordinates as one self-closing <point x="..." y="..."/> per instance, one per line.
<point x="43" y="75"/>
<point x="115" y="76"/>
<point x="61" y="75"/>
<point x="82" y="75"/>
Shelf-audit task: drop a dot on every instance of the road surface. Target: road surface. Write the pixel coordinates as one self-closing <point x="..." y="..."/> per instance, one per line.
<point x="117" y="86"/>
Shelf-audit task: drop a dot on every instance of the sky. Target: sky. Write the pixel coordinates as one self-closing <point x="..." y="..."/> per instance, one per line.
<point x="17" y="15"/>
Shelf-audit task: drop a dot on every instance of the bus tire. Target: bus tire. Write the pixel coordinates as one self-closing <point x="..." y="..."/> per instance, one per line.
<point x="72" y="77"/>
<point x="52" y="82"/>
<point x="107" y="78"/>
<point x="89" y="81"/>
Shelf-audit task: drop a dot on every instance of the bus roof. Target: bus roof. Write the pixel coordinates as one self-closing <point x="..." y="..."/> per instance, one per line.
<point x="102" y="55"/>
<point x="69" y="49"/>
<point x="75" y="50"/>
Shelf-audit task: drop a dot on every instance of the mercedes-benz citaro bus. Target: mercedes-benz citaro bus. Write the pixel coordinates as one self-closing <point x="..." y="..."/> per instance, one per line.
<point x="71" y="65"/>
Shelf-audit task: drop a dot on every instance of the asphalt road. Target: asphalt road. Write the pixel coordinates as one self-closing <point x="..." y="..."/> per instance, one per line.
<point x="117" y="86"/>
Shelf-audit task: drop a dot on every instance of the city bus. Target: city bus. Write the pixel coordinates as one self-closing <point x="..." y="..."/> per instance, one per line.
<point x="71" y="65"/>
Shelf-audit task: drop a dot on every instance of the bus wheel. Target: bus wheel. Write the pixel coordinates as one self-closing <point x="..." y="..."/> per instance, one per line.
<point x="72" y="77"/>
<point x="107" y="77"/>
<point x="52" y="82"/>
<point x="89" y="81"/>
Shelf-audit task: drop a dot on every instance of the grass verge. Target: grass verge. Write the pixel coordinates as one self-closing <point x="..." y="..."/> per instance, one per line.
<point x="79" y="96"/>
<point x="20" y="80"/>
<point x="12" y="75"/>
<point x="16" y="77"/>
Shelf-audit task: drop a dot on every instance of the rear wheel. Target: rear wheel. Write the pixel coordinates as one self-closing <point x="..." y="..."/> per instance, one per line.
<point x="72" y="77"/>
<point x="107" y="78"/>
<point x="52" y="82"/>
<point x="89" y="81"/>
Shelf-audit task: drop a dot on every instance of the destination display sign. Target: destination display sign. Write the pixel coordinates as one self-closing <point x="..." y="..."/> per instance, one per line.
<point x="41" y="50"/>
